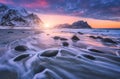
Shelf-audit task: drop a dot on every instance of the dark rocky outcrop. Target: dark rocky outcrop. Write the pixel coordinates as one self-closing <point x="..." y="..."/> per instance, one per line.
<point x="76" y="25"/>
<point x="81" y="24"/>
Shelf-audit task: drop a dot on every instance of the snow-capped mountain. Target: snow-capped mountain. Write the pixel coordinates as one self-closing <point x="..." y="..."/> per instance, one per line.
<point x="17" y="17"/>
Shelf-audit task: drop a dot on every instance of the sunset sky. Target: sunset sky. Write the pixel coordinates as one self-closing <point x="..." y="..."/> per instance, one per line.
<point x="98" y="13"/>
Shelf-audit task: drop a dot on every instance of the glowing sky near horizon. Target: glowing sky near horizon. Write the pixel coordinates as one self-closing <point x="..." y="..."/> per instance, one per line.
<point x="53" y="19"/>
<point x="98" y="13"/>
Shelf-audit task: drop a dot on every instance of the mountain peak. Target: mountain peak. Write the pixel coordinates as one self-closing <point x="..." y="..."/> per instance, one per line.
<point x="75" y="25"/>
<point x="81" y="24"/>
<point x="18" y="17"/>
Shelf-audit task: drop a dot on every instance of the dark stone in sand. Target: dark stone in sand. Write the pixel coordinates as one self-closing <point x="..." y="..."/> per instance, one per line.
<point x="50" y="53"/>
<point x="92" y="37"/>
<point x="21" y="57"/>
<point x="94" y="50"/>
<point x="10" y="32"/>
<point x="21" y="48"/>
<point x="96" y="37"/>
<point x="99" y="37"/>
<point x="108" y="40"/>
<point x="80" y="33"/>
<point x="56" y="37"/>
<point x="66" y="44"/>
<point x="75" y="38"/>
<point x="89" y="57"/>
<point x="8" y="74"/>
<point x="63" y="39"/>
<point x="38" y="69"/>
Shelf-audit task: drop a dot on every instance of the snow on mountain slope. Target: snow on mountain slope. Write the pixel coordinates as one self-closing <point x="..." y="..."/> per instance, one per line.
<point x="17" y="17"/>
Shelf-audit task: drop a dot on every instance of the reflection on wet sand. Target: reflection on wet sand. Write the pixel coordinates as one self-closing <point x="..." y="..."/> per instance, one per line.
<point x="59" y="54"/>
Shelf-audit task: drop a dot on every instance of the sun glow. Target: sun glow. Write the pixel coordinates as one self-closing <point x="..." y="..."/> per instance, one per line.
<point x="52" y="20"/>
<point x="47" y="25"/>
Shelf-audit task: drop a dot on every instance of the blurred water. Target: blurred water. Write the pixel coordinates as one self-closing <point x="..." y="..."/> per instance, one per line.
<point x="110" y="32"/>
<point x="75" y="61"/>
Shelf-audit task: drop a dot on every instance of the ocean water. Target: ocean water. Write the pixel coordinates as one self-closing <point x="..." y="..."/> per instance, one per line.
<point x="53" y="54"/>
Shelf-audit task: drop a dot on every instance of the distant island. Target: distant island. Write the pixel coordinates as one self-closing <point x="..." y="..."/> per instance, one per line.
<point x="75" y="25"/>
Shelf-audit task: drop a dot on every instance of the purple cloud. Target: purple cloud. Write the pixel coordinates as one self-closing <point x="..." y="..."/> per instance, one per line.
<point x="99" y="9"/>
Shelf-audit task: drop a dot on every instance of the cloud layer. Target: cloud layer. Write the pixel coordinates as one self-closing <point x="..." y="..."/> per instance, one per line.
<point x="98" y="9"/>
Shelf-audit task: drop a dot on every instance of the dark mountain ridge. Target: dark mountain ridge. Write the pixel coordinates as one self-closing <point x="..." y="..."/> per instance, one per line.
<point x="75" y="25"/>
